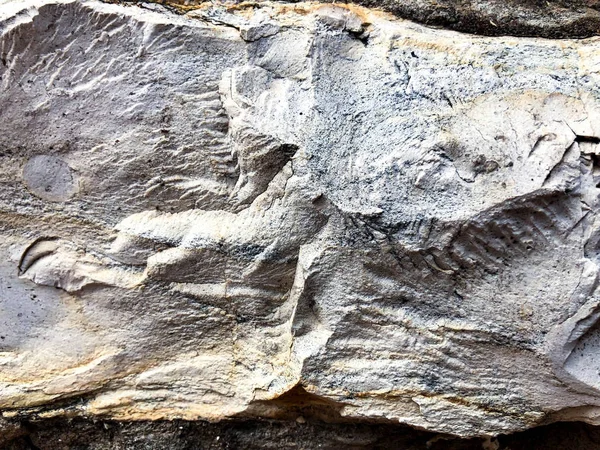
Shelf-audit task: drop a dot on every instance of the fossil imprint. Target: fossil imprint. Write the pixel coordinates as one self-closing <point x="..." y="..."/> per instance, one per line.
<point x="202" y="213"/>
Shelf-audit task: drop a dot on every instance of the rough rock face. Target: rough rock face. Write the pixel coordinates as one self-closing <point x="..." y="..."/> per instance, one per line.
<point x="283" y="209"/>
<point x="540" y="18"/>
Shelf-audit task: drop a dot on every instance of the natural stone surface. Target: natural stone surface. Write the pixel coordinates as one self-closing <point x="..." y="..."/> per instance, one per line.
<point x="288" y="210"/>
<point x="540" y="18"/>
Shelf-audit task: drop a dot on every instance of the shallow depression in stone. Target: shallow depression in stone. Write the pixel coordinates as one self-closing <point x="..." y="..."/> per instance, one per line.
<point x="49" y="178"/>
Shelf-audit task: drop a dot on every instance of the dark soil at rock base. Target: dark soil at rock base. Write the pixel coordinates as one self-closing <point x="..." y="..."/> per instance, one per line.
<point x="80" y="434"/>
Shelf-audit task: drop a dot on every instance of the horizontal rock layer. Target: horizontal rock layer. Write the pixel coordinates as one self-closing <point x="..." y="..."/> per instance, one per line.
<point x="255" y="211"/>
<point x="553" y="19"/>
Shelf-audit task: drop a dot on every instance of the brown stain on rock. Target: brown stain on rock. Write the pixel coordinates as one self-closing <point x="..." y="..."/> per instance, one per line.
<point x="552" y="19"/>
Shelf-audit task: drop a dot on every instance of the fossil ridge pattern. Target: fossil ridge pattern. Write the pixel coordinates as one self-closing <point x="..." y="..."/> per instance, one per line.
<point x="239" y="211"/>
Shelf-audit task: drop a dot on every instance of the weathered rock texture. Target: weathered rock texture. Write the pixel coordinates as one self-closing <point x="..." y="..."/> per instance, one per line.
<point x="276" y="210"/>
<point x="539" y="18"/>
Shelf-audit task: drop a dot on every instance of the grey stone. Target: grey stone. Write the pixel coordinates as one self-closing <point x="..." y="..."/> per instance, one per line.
<point x="49" y="178"/>
<point x="557" y="19"/>
<point x="241" y="210"/>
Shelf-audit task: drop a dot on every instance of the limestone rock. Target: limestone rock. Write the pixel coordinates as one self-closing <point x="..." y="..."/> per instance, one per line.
<point x="539" y="18"/>
<point x="236" y="211"/>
